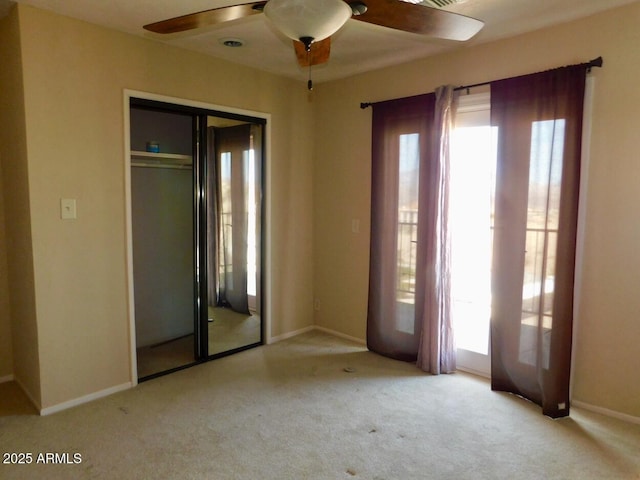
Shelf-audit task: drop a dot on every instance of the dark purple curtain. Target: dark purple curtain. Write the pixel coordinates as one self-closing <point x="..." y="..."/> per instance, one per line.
<point x="539" y="123"/>
<point x="393" y="321"/>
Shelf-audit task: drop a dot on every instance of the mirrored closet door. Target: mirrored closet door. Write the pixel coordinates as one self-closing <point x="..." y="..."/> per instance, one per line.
<point x="196" y="223"/>
<point x="234" y="152"/>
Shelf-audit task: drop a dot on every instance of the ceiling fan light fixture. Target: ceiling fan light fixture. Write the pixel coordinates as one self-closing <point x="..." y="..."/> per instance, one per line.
<point x="316" y="19"/>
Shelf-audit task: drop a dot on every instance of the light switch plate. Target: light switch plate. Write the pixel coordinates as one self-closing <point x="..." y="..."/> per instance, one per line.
<point x="68" y="208"/>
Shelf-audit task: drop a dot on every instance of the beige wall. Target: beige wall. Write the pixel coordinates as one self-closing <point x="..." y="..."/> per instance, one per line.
<point x="74" y="76"/>
<point x="16" y="280"/>
<point x="609" y="309"/>
<point x="6" y="344"/>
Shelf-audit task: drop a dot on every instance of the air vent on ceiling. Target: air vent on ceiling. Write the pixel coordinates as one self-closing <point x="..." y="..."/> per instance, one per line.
<point x="441" y="3"/>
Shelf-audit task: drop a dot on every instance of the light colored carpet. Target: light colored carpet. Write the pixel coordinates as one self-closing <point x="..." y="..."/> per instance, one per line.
<point x="291" y="411"/>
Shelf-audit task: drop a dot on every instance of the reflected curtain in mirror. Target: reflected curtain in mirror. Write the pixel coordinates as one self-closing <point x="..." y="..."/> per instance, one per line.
<point x="539" y="122"/>
<point x="213" y="218"/>
<point x="231" y="173"/>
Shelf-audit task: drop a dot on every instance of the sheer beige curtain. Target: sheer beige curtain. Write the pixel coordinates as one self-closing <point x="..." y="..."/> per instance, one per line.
<point x="213" y="218"/>
<point x="255" y="184"/>
<point x="409" y="282"/>
<point x="437" y="351"/>
<point x="539" y="120"/>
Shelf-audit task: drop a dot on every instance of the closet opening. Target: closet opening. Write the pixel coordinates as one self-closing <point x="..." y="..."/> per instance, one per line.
<point x="196" y="234"/>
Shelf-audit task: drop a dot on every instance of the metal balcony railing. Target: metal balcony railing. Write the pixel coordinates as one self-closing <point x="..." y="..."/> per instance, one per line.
<point x="537" y="265"/>
<point x="406" y="255"/>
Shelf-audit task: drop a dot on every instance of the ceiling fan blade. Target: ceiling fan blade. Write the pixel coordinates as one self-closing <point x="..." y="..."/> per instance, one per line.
<point x="415" y="18"/>
<point x="319" y="53"/>
<point x="205" y="18"/>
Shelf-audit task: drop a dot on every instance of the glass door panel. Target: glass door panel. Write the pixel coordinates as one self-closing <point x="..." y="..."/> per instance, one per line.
<point x="543" y="211"/>
<point x="473" y="159"/>
<point x="408" y="187"/>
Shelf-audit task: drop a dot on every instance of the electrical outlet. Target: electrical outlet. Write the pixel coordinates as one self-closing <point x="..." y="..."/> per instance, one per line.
<point x="316" y="305"/>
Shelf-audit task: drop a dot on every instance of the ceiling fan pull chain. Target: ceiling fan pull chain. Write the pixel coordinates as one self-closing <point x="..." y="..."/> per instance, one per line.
<point x="307" y="41"/>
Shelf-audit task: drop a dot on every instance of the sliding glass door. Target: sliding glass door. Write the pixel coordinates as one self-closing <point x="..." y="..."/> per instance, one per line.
<point x="473" y="160"/>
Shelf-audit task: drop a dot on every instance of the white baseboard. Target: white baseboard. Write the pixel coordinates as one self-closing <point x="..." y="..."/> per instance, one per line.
<point x="87" y="398"/>
<point x="477" y="373"/>
<point x="310" y="328"/>
<point x="7" y="378"/>
<point x="284" y="336"/>
<point x="606" y="412"/>
<point x="335" y="333"/>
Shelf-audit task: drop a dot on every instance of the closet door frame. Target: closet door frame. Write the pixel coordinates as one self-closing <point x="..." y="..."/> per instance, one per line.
<point x="200" y="111"/>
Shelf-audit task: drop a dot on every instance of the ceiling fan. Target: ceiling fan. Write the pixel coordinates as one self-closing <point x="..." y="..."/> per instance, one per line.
<point x="310" y="23"/>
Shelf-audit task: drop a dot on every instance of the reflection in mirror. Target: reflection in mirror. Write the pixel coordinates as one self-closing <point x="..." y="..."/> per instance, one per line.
<point x="234" y="164"/>
<point x="162" y="239"/>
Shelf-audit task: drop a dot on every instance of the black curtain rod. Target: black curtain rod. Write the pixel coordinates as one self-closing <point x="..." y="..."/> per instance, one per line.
<point x="596" y="62"/>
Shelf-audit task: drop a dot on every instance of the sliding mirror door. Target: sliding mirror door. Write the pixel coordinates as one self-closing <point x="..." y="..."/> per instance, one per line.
<point x="162" y="223"/>
<point x="234" y="232"/>
<point x="196" y="226"/>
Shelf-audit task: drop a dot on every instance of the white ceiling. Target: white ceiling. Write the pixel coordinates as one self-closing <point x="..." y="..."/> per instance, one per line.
<point x="356" y="48"/>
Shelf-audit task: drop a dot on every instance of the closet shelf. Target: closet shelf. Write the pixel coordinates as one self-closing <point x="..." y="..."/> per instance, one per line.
<point x="150" y="159"/>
